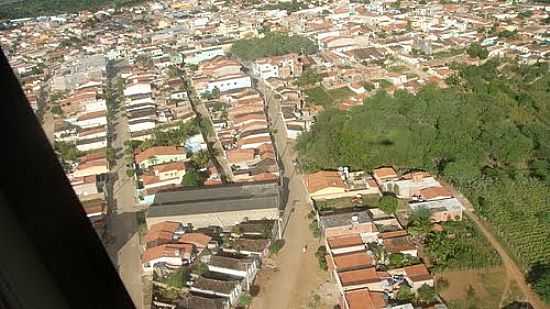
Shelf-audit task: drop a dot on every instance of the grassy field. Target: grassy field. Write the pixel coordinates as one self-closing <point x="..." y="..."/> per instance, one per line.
<point x="326" y="98"/>
<point x="480" y="288"/>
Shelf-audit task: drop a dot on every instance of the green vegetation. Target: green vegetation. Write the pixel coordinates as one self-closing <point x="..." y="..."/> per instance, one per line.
<point x="539" y="278"/>
<point x="460" y="246"/>
<point x="176" y="279"/>
<point x="320" y="254"/>
<point x="476" y="51"/>
<point x="487" y="134"/>
<point x="308" y="77"/>
<point x="193" y="178"/>
<point x="56" y="110"/>
<point x="276" y="246"/>
<point x="388" y="204"/>
<point x="68" y="151"/>
<point x="30" y="8"/>
<point x="168" y="136"/>
<point x="318" y="96"/>
<point x="426" y="294"/>
<point x="290" y="7"/>
<point x="273" y="44"/>
<point x="199" y="268"/>
<point x="245" y="300"/>
<point x="398" y="260"/>
<point x="326" y="98"/>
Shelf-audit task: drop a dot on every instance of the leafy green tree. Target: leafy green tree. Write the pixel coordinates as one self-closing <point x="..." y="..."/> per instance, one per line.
<point x="420" y="222"/>
<point x="476" y="51"/>
<point x="405" y="293"/>
<point x="426" y="294"/>
<point x="200" y="160"/>
<point x="192" y="178"/>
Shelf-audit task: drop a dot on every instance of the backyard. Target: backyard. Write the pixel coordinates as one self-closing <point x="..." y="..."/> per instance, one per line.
<point x="327" y="97"/>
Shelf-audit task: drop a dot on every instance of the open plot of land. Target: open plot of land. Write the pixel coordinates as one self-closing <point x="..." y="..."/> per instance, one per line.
<point x="485" y="288"/>
<point x="325" y="98"/>
<point x="370" y="201"/>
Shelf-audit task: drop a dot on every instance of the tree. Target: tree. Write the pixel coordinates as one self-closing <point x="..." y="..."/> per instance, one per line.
<point x="388" y="204"/>
<point x="405" y="294"/>
<point x="426" y="294"/>
<point x="215" y="93"/>
<point x="539" y="277"/>
<point x="200" y="160"/>
<point x="420" y="222"/>
<point x="192" y="178"/>
<point x="321" y="254"/>
<point x="56" y="110"/>
<point x="476" y="51"/>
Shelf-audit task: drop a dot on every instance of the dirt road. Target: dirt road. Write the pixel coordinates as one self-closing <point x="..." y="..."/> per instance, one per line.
<point x="298" y="273"/>
<point x="513" y="270"/>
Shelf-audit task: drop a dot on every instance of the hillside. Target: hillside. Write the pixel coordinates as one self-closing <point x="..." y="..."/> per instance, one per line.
<point x="487" y="134"/>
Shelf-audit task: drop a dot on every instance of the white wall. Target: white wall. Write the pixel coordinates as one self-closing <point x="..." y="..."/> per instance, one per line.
<point x="142" y="126"/>
<point x="230" y="84"/>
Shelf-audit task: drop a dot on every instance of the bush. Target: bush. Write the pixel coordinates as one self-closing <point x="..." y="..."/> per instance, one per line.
<point x="388" y="204"/>
<point x="254" y="290"/>
<point x="314" y="227"/>
<point x="320" y="254"/>
<point x="276" y="246"/>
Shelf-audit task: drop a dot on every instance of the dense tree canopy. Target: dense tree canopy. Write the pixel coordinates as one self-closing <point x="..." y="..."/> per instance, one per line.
<point x="487" y="134"/>
<point x="273" y="44"/>
<point x="30" y="8"/>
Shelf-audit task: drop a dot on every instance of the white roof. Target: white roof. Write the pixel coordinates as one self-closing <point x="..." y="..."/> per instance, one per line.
<point x="448" y="203"/>
<point x="137" y="89"/>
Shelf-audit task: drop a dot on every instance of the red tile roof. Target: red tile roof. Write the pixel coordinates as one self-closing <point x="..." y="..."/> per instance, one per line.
<point x="353" y="260"/>
<point x="365" y="299"/>
<point x="197" y="239"/>
<point x="345" y="241"/>
<point x="360" y="276"/>
<point x="158" y="151"/>
<point x="323" y="179"/>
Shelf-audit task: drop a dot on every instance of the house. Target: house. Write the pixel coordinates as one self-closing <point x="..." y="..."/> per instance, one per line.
<point x="384" y="174"/>
<point x="89" y="165"/>
<point x="235" y="265"/>
<point x="163" y="175"/>
<point x="401" y="245"/>
<point x="159" y="155"/>
<point x="363" y="299"/>
<point x="163" y="233"/>
<point x="230" y="289"/>
<point x="324" y="185"/>
<point x="246" y="246"/>
<point x="284" y="67"/>
<point x="195" y="144"/>
<point x="344" y="222"/>
<point x="171" y="255"/>
<point x="199" y="240"/>
<point x="229" y="82"/>
<point x="224" y="205"/>
<point x="345" y="244"/>
<point x="449" y="209"/>
<point x="92" y="119"/>
<point x="409" y="185"/>
<point x="415" y="275"/>
<point x="350" y="261"/>
<point x="202" y="301"/>
<point x="197" y="56"/>
<point x="363" y="278"/>
<point x="258" y="229"/>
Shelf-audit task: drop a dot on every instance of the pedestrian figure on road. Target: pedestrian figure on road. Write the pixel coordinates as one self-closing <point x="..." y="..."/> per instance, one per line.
<point x="304" y="249"/>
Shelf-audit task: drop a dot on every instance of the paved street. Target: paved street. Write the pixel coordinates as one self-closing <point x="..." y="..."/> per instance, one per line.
<point x="124" y="249"/>
<point x="298" y="273"/>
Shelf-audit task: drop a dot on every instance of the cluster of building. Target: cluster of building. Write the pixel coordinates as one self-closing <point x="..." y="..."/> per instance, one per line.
<point x="369" y="253"/>
<point x="219" y="235"/>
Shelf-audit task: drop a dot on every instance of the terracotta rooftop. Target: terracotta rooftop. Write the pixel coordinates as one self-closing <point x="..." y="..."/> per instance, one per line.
<point x="418" y="272"/>
<point x="360" y="276"/>
<point x="384" y="172"/>
<point x="323" y="179"/>
<point x="398" y="244"/>
<point x="172" y="166"/>
<point x="345" y="241"/>
<point x="353" y="260"/>
<point x="365" y="299"/>
<point x="168" y="226"/>
<point x="168" y="250"/>
<point x="158" y="151"/>
<point x="434" y="192"/>
<point x="239" y="155"/>
<point x="198" y="239"/>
